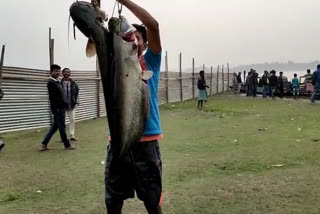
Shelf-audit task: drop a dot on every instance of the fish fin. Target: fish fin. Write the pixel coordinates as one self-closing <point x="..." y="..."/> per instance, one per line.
<point x="74" y="31"/>
<point x="146" y="100"/>
<point x="147" y="74"/>
<point x="91" y="49"/>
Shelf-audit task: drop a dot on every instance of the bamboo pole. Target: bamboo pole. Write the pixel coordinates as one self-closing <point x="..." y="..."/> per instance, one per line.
<point x="222" y="78"/>
<point x="193" y="93"/>
<point x="98" y="88"/>
<point x="228" y="84"/>
<point x="167" y="76"/>
<point x="180" y="75"/>
<point x="218" y="69"/>
<point x="211" y="80"/>
<point x="2" y="62"/>
<point x="51" y="62"/>
<point x="51" y="48"/>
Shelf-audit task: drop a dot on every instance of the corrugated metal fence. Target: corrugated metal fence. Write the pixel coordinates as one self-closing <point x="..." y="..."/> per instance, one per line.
<point x="26" y="103"/>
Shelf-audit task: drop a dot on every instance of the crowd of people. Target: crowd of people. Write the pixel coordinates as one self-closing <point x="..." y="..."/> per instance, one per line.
<point x="272" y="84"/>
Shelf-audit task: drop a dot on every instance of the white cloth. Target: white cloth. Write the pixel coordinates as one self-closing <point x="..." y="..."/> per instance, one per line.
<point x="72" y="122"/>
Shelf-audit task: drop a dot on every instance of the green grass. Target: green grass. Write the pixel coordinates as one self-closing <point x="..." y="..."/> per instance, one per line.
<point x="215" y="160"/>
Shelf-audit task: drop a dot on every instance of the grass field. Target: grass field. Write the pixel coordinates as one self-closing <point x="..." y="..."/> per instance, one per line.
<point x="237" y="155"/>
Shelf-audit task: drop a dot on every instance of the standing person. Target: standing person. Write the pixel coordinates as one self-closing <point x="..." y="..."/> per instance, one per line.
<point x="140" y="170"/>
<point x="202" y="86"/>
<point x="295" y="86"/>
<point x="1" y="96"/>
<point x="239" y="82"/>
<point x="316" y="84"/>
<point x="249" y="84"/>
<point x="273" y="83"/>
<point x="265" y="84"/>
<point x="234" y="83"/>
<point x="254" y="83"/>
<point x="281" y="85"/>
<point x="308" y="82"/>
<point x="58" y="106"/>
<point x="71" y="92"/>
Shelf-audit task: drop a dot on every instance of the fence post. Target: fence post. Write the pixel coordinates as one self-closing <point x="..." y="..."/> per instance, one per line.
<point x="228" y="85"/>
<point x="51" y="61"/>
<point x="218" y="78"/>
<point x="51" y="48"/>
<point x="222" y="78"/>
<point x="193" y="78"/>
<point x="98" y="87"/>
<point x="211" y="81"/>
<point x="167" y="76"/>
<point x="180" y="75"/>
<point x="1" y="63"/>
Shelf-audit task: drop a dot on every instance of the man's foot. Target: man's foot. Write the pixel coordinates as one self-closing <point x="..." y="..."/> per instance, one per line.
<point x="74" y="139"/>
<point x="71" y="147"/>
<point x="43" y="147"/>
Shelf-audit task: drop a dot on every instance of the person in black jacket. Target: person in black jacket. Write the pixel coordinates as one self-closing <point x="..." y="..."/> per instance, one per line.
<point x="265" y="84"/>
<point x="71" y="92"/>
<point x="58" y="106"/>
<point x="281" y="85"/>
<point x="239" y="82"/>
<point x="273" y="82"/>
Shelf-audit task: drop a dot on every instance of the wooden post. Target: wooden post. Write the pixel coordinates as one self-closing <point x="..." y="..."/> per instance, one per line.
<point x="180" y="75"/>
<point x="51" y="48"/>
<point x="167" y="76"/>
<point x="218" y="78"/>
<point x="228" y="84"/>
<point x="51" y="62"/>
<point x="211" y="80"/>
<point x="1" y="63"/>
<point x="98" y="87"/>
<point x="222" y="78"/>
<point x="193" y="94"/>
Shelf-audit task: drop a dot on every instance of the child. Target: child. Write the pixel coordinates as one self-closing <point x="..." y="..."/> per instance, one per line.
<point x="202" y="89"/>
<point x="295" y="86"/>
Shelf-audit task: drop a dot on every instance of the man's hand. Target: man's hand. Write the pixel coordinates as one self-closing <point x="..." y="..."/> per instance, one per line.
<point x="122" y="1"/>
<point x="153" y="33"/>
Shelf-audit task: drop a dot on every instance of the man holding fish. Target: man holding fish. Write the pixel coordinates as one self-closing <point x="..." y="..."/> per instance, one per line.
<point x="143" y="171"/>
<point x="129" y="61"/>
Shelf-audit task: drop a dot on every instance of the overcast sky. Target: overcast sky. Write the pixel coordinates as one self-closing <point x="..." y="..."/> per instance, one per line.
<point x="212" y="31"/>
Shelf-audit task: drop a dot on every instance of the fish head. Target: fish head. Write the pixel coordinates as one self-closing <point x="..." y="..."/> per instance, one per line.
<point x="120" y="26"/>
<point x="85" y="17"/>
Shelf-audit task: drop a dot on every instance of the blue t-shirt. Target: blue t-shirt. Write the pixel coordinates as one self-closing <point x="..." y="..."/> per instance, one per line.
<point x="152" y="62"/>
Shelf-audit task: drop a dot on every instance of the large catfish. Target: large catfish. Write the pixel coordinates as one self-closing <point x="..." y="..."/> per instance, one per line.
<point x="126" y="94"/>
